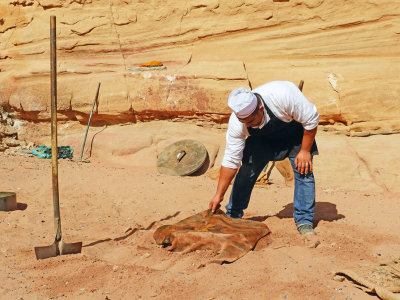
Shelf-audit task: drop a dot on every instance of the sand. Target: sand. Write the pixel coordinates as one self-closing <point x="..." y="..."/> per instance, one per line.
<point x="114" y="204"/>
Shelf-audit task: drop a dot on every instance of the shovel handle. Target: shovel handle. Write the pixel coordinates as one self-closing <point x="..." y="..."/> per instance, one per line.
<point x="54" y="150"/>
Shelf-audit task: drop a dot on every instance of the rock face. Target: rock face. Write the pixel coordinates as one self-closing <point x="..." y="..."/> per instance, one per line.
<point x="8" y="132"/>
<point x="347" y="52"/>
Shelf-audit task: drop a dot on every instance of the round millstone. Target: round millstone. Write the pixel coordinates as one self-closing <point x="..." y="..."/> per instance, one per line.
<point x="182" y="158"/>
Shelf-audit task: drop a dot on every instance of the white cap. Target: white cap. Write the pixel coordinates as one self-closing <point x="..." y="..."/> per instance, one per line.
<point x="243" y="102"/>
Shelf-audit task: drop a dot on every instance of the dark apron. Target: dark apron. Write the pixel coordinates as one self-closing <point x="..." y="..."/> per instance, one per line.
<point x="276" y="140"/>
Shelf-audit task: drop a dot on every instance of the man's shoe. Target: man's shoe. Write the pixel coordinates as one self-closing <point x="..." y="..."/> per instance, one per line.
<point x="306" y="229"/>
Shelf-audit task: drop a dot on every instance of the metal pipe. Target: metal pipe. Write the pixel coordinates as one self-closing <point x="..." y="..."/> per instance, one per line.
<point x="91" y="112"/>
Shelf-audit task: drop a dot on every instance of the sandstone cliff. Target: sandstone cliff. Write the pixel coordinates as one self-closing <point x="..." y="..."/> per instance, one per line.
<point x="347" y="52"/>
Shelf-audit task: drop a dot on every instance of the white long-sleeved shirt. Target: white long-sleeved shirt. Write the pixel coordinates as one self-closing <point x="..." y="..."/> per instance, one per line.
<point x="285" y="101"/>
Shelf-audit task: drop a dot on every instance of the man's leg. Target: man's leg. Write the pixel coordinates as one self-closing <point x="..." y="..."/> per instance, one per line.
<point x="254" y="159"/>
<point x="304" y="197"/>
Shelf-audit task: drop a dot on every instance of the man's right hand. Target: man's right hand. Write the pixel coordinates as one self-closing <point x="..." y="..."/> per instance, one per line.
<point x="225" y="177"/>
<point x="215" y="203"/>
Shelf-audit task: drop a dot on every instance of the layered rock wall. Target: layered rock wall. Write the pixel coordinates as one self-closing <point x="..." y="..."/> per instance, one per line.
<point x="346" y="51"/>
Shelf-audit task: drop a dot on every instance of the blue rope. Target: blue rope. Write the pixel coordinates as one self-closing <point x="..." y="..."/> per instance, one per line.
<point x="45" y="152"/>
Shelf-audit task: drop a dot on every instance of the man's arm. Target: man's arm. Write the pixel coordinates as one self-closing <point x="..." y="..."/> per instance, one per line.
<point x="303" y="159"/>
<point x="235" y="141"/>
<point x="297" y="106"/>
<point x="225" y="177"/>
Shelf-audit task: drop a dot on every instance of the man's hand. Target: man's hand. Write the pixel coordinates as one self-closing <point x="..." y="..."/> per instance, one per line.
<point x="225" y="177"/>
<point x="303" y="162"/>
<point x="215" y="203"/>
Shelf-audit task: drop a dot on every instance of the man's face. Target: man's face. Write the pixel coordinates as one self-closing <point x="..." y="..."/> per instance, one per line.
<point x="255" y="119"/>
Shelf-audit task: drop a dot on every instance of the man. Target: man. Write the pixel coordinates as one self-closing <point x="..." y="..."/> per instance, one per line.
<point x="270" y="123"/>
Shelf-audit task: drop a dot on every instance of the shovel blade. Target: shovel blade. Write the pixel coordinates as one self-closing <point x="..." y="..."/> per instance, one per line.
<point x="47" y="251"/>
<point x="58" y="248"/>
<point x="70" y="248"/>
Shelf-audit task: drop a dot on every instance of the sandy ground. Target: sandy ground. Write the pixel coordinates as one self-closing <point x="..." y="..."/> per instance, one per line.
<point x="114" y="204"/>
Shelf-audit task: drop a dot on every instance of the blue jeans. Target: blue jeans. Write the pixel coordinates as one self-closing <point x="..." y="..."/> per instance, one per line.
<point x="304" y="192"/>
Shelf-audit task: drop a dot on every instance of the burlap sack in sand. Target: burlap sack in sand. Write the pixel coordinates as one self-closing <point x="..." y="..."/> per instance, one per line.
<point x="229" y="238"/>
<point x="383" y="280"/>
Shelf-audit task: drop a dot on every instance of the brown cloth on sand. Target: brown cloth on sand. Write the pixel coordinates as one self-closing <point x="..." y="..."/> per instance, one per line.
<point x="229" y="238"/>
<point x="383" y="280"/>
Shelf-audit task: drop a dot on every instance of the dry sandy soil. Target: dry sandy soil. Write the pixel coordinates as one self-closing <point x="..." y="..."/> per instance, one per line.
<point x="114" y="204"/>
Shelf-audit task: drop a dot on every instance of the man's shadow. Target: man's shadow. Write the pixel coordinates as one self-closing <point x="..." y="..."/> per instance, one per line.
<point x="325" y="211"/>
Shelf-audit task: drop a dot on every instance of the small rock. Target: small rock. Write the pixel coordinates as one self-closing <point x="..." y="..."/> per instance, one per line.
<point x="311" y="241"/>
<point x="359" y="133"/>
<point x="9" y="130"/>
<point x="11" y="142"/>
<point x="338" y="278"/>
<point x="314" y="244"/>
<point x="10" y="122"/>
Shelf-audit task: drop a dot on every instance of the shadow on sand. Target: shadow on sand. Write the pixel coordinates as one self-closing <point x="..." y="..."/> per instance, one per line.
<point x="203" y="169"/>
<point x="131" y="231"/>
<point x="21" y="206"/>
<point x="325" y="211"/>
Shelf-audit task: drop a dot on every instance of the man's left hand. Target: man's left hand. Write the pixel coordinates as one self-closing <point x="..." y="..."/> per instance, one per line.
<point x="303" y="162"/>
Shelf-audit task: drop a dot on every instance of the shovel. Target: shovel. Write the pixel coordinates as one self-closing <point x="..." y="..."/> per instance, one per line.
<point x="59" y="247"/>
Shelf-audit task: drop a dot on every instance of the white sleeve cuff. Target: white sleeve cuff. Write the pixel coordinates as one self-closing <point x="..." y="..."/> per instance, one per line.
<point x="229" y="164"/>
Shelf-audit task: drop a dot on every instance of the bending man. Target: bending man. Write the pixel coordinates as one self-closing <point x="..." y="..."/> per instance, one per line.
<point x="270" y="123"/>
